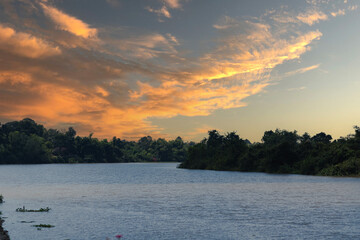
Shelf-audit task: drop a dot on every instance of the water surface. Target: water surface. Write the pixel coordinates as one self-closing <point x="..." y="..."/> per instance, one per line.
<point x="159" y="201"/>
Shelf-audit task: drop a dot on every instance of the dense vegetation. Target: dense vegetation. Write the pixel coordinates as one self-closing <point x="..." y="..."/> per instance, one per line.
<point x="280" y="151"/>
<point x="26" y="142"/>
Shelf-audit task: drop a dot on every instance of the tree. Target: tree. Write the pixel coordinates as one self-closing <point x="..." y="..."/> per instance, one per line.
<point x="321" y="138"/>
<point x="36" y="151"/>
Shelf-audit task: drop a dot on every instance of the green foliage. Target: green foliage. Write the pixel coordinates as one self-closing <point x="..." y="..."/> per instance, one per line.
<point x="217" y="152"/>
<point x="350" y="167"/>
<point x="1" y="198"/>
<point x="26" y="142"/>
<point x="281" y="151"/>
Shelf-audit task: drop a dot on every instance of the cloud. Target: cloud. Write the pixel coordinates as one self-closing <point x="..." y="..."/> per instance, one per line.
<point x="129" y="76"/>
<point x="297" y="89"/>
<point x="147" y="46"/>
<point x="302" y="70"/>
<point x="225" y="23"/>
<point x="353" y="7"/>
<point x="189" y="100"/>
<point x="311" y="17"/>
<point x="52" y="101"/>
<point x="253" y="47"/>
<point x="14" y="77"/>
<point x="172" y="38"/>
<point x="239" y="67"/>
<point x="102" y="91"/>
<point x="69" y="23"/>
<point x="24" y="44"/>
<point x="114" y="3"/>
<point x="173" y="3"/>
<point x="340" y="12"/>
<point x="163" y="11"/>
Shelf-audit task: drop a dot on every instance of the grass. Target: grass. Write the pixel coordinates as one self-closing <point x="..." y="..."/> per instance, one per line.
<point x="23" y="209"/>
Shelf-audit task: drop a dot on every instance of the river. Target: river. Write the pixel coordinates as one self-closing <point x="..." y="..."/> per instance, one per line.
<point x="160" y="201"/>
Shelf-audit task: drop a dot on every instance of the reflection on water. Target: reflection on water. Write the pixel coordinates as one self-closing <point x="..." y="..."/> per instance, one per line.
<point x="159" y="201"/>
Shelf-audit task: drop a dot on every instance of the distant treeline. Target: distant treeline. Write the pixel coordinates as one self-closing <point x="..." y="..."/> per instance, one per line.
<point x="280" y="151"/>
<point x="26" y="142"/>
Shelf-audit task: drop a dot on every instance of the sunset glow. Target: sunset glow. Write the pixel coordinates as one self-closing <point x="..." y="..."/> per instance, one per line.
<point x="102" y="68"/>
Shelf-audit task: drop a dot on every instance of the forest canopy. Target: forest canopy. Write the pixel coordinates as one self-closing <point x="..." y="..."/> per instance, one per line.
<point x="280" y="151"/>
<point x="26" y="142"/>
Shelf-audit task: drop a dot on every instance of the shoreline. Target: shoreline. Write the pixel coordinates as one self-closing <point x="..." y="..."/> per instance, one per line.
<point x="274" y="173"/>
<point x="3" y="233"/>
<point x="75" y="163"/>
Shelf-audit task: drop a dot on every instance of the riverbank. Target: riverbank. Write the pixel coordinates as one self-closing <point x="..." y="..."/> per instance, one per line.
<point x="280" y="151"/>
<point x="3" y="234"/>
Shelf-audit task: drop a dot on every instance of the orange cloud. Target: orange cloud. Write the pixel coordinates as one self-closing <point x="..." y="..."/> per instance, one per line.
<point x="14" y="77"/>
<point x="69" y="23"/>
<point x="338" y="13"/>
<point x="24" y="44"/>
<point x="256" y="51"/>
<point x="115" y="88"/>
<point x="190" y="100"/>
<point x="302" y="70"/>
<point x="102" y="91"/>
<point x="221" y="80"/>
<point x="55" y="104"/>
<point x="163" y="11"/>
<point x="147" y="46"/>
<point x="312" y="17"/>
<point x="173" y="3"/>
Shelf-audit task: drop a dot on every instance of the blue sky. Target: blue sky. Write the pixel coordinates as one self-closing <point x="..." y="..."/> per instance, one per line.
<point x="169" y="68"/>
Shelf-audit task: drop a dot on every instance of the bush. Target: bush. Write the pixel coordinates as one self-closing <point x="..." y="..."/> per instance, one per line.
<point x="350" y="167"/>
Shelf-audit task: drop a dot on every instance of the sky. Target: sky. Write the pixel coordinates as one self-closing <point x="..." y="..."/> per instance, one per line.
<point x="169" y="68"/>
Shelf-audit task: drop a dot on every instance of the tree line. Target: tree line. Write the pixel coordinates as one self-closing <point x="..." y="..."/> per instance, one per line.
<point x="280" y="151"/>
<point x="26" y="142"/>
